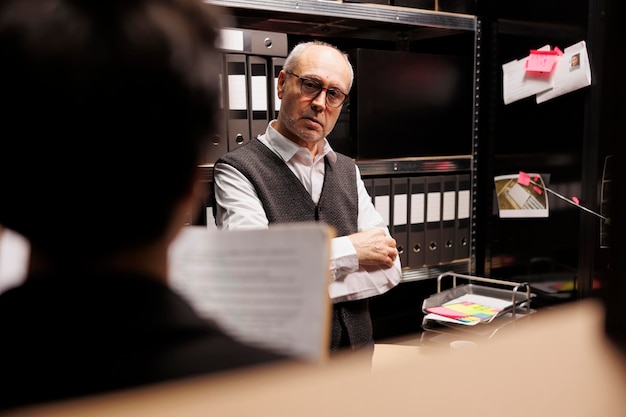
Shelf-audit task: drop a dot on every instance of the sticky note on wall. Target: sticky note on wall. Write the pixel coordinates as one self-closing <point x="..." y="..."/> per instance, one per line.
<point x="541" y="61"/>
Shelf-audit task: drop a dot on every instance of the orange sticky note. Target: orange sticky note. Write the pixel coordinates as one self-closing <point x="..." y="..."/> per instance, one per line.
<point x="537" y="190"/>
<point x="541" y="61"/>
<point x="523" y="178"/>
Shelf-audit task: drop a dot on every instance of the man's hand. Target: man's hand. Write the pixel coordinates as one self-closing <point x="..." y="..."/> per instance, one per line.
<point x="374" y="247"/>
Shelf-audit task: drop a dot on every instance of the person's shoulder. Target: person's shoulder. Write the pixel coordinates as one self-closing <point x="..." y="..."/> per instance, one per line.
<point x="249" y="153"/>
<point x="244" y="149"/>
<point x="344" y="160"/>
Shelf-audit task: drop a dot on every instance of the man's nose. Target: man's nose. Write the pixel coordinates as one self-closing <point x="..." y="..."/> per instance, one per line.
<point x="320" y="99"/>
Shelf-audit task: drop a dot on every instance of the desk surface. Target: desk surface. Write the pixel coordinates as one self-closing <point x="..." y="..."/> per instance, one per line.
<point x="561" y="365"/>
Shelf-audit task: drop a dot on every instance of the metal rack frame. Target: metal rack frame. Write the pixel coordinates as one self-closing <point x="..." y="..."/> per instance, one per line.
<point x="381" y="21"/>
<point x="515" y="285"/>
<point x="358" y="11"/>
<point x="435" y="331"/>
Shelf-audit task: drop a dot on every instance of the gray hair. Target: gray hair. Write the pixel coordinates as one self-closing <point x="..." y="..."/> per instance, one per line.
<point x="295" y="54"/>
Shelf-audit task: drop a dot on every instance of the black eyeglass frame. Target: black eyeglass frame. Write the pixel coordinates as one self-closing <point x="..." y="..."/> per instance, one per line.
<point x="320" y="89"/>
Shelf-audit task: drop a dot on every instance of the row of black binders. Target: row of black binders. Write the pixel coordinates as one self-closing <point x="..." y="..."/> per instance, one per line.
<point x="252" y="60"/>
<point x="429" y="216"/>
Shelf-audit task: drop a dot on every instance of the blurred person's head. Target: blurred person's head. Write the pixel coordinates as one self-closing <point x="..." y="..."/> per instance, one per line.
<point x="104" y="107"/>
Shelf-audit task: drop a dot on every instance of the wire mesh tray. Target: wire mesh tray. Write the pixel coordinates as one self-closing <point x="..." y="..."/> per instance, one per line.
<point x="470" y="304"/>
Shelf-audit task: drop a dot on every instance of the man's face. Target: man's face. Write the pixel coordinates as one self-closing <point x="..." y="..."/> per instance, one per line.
<point x="303" y="120"/>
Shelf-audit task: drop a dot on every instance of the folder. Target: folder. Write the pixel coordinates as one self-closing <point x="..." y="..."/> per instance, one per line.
<point x="432" y="234"/>
<point x="399" y="217"/>
<point x="416" y="222"/>
<point x="217" y="144"/>
<point x="258" y="83"/>
<point x="253" y="42"/>
<point x="462" y="238"/>
<point x="277" y="64"/>
<point x="382" y="198"/>
<point x="238" y="126"/>
<point x="448" y="218"/>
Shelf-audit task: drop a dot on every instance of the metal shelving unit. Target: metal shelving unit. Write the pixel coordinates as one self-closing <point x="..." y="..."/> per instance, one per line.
<point x="363" y="22"/>
<point x="334" y="11"/>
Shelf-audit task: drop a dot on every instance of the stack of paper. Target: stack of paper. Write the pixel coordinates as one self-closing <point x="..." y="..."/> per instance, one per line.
<point x="571" y="72"/>
<point x="468" y="309"/>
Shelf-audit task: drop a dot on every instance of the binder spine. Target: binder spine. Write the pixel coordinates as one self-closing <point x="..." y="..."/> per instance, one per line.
<point x="237" y="100"/>
<point x="399" y="218"/>
<point x="417" y="218"/>
<point x="433" y="221"/>
<point x="382" y="198"/>
<point x="259" y="101"/>
<point x="448" y="218"/>
<point x="462" y="237"/>
<point x="217" y="144"/>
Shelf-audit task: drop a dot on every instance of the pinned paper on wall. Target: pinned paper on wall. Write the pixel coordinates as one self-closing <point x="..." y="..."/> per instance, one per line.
<point x="572" y="72"/>
<point x="526" y="195"/>
<point x="521" y="195"/>
<point x="517" y="83"/>
<point x="546" y="73"/>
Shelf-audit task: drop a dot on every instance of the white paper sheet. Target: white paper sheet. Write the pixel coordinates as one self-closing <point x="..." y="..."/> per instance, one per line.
<point x="518" y="84"/>
<point x="264" y="287"/>
<point x="572" y="72"/>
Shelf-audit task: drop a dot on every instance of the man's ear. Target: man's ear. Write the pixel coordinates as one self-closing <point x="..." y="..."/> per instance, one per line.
<point x="280" y="86"/>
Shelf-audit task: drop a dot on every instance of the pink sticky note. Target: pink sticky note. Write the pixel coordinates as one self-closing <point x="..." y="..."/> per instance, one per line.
<point x="576" y="200"/>
<point x="523" y="178"/>
<point x="541" y="61"/>
<point x="446" y="312"/>
<point x="538" y="190"/>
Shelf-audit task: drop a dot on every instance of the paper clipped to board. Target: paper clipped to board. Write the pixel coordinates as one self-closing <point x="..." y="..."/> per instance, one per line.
<point x="266" y="287"/>
<point x="517" y="83"/>
<point x="538" y="75"/>
<point x="572" y="72"/>
<point x="519" y="198"/>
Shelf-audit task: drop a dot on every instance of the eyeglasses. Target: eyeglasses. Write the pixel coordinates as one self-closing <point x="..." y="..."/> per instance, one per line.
<point x="311" y="88"/>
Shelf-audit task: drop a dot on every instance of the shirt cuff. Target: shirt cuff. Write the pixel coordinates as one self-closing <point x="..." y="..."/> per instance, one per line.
<point x="343" y="258"/>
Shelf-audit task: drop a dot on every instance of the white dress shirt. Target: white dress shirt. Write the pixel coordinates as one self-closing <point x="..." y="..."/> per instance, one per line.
<point x="238" y="207"/>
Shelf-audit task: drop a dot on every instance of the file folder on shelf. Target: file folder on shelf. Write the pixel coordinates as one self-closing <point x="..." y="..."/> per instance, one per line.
<point x="255" y="42"/>
<point x="382" y="198"/>
<point x="462" y="239"/>
<point x="417" y="223"/>
<point x="238" y="126"/>
<point x="276" y="66"/>
<point x="448" y="218"/>
<point x="432" y="254"/>
<point x="259" y="100"/>
<point x="399" y="217"/>
<point x="217" y="144"/>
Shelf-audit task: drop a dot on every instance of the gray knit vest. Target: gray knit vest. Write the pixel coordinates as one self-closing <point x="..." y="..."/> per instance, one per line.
<point x="285" y="200"/>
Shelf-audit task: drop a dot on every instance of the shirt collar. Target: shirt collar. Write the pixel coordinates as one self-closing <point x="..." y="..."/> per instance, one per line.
<point x="286" y="149"/>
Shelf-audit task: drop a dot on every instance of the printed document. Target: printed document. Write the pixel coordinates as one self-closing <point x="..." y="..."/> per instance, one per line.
<point x="264" y="287"/>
